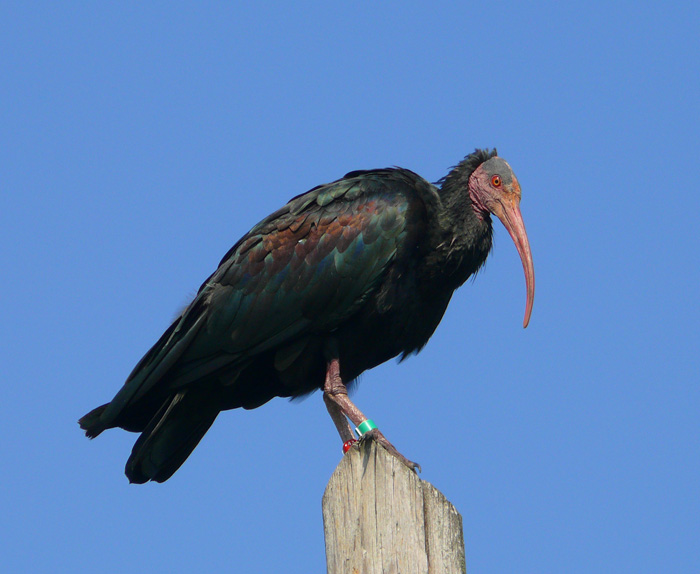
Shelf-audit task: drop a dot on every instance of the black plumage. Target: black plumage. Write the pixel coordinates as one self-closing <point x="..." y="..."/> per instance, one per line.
<point x="341" y="279"/>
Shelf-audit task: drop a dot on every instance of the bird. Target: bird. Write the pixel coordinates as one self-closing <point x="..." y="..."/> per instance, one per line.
<point x="344" y="277"/>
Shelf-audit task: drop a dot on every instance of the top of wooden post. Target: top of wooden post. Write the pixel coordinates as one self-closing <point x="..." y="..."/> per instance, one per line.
<point x="379" y="517"/>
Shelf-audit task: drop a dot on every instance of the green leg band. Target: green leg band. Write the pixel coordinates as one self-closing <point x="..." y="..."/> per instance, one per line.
<point x="365" y="426"/>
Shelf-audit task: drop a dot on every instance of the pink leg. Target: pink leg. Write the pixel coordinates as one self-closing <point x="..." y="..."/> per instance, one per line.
<point x="335" y="395"/>
<point x="341" y="423"/>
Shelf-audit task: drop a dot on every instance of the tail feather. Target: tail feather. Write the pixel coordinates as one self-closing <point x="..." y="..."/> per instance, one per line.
<point x="91" y="422"/>
<point x="170" y="437"/>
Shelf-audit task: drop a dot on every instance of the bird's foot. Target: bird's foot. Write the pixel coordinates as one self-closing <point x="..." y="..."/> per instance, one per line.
<point x="376" y="435"/>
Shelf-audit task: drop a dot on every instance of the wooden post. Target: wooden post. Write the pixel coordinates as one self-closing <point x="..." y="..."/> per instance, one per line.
<point x="380" y="518"/>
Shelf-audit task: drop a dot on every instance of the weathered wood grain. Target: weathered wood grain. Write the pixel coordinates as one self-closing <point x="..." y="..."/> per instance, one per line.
<point x="380" y="518"/>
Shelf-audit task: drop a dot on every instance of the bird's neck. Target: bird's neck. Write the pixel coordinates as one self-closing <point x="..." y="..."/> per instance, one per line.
<point x="462" y="237"/>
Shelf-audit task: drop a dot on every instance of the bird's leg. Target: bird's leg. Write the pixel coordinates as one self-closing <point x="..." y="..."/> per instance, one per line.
<point x="335" y="395"/>
<point x="341" y="423"/>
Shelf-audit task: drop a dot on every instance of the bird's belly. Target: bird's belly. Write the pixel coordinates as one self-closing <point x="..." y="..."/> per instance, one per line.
<point x="374" y="338"/>
<point x="369" y="338"/>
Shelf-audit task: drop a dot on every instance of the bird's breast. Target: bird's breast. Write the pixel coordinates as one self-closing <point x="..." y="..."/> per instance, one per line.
<point x="397" y="320"/>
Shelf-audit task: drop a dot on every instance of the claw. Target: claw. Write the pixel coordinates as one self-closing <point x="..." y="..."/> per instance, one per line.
<point x="377" y="436"/>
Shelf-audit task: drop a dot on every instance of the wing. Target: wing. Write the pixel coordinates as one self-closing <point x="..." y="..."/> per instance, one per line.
<point x="304" y="269"/>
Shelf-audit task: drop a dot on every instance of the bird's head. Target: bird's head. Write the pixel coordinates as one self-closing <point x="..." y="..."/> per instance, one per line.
<point x="493" y="188"/>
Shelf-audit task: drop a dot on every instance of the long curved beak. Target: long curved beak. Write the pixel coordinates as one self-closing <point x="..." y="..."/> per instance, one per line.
<point x="508" y="211"/>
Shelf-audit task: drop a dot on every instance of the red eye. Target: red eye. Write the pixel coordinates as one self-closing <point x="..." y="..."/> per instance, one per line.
<point x="496" y="181"/>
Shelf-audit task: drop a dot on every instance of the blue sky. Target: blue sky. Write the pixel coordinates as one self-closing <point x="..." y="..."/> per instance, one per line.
<point x="139" y="142"/>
